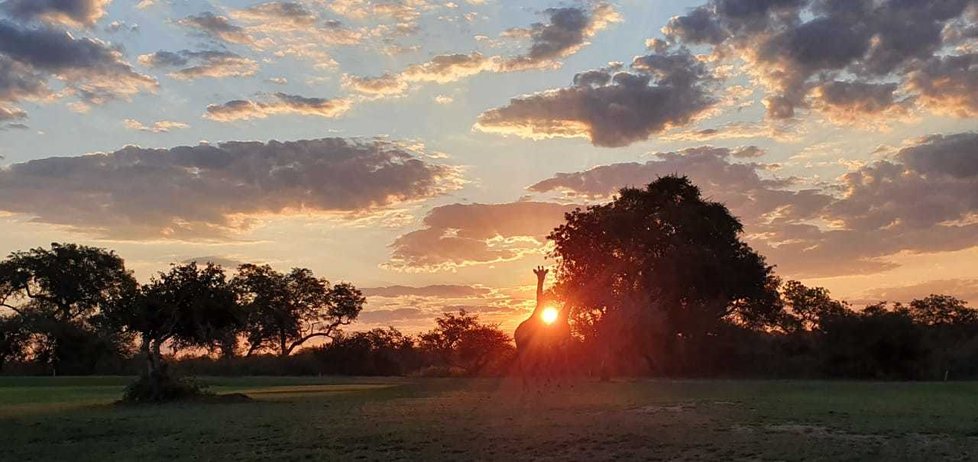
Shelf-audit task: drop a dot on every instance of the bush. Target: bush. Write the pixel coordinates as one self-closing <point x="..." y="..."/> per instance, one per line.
<point x="168" y="388"/>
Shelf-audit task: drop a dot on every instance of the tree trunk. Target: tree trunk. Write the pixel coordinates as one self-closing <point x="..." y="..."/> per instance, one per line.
<point x="155" y="369"/>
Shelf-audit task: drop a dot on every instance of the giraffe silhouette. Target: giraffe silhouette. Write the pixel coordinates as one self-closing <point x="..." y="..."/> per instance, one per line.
<point x="542" y="348"/>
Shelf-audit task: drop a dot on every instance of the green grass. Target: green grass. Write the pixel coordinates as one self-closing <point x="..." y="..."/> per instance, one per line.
<point x="326" y="418"/>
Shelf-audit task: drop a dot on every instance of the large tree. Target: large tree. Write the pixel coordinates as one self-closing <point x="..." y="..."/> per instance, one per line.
<point x="187" y="306"/>
<point x="60" y="292"/>
<point x="287" y="310"/>
<point x="657" y="265"/>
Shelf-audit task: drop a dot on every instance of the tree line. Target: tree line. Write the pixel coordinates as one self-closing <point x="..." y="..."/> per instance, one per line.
<point x="657" y="281"/>
<point x="73" y="309"/>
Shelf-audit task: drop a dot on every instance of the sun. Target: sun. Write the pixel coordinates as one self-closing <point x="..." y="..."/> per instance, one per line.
<point x="549" y="315"/>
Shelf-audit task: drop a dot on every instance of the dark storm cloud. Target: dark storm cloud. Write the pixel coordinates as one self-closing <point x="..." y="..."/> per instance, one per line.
<point x="207" y="191"/>
<point x="923" y="199"/>
<point x="65" y="12"/>
<point x="206" y="63"/>
<point x="611" y="108"/>
<point x="216" y="27"/>
<point x="460" y="235"/>
<point x="793" y="47"/>
<point x="567" y="30"/>
<point x="277" y="103"/>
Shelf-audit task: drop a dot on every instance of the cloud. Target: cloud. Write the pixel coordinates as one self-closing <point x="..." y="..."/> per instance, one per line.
<point x="440" y="69"/>
<point x="19" y="81"/>
<point x="611" y="108"/>
<point x="88" y="68"/>
<point x="197" y="64"/>
<point x="948" y="84"/>
<point x="372" y="316"/>
<point x="281" y="15"/>
<point x="929" y="185"/>
<point x="799" y="50"/>
<point x="852" y="102"/>
<point x="277" y="103"/>
<point x="293" y="29"/>
<point x="161" y="126"/>
<point x="73" y="13"/>
<point x="965" y="289"/>
<point x="210" y="191"/>
<point x="414" y="308"/>
<point x="461" y="235"/>
<point x="566" y="32"/>
<point x="923" y="199"/>
<point x="440" y="290"/>
<point x="568" y="29"/>
<point x="953" y="155"/>
<point x="8" y="114"/>
<point x="226" y="262"/>
<point x="216" y="27"/>
<point x="404" y="13"/>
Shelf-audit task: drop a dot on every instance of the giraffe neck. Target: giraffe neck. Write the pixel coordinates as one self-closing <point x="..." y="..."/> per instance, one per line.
<point x="539" y="302"/>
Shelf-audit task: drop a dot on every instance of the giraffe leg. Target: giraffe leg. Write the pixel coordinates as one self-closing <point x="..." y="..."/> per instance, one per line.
<point x="520" y="358"/>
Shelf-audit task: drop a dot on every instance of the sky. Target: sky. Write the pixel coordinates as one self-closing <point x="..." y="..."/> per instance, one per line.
<point x="424" y="149"/>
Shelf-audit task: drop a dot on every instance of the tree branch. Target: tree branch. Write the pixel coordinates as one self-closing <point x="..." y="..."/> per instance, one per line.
<point x="16" y="310"/>
<point x="328" y="332"/>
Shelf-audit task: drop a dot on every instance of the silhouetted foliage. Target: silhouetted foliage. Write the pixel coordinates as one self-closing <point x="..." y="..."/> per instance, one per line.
<point x="808" y="307"/>
<point x="188" y="306"/>
<point x="658" y="269"/>
<point x="658" y="282"/>
<point x="14" y="336"/>
<point x="59" y="294"/>
<point x="375" y="352"/>
<point x="287" y="310"/>
<point x="460" y="341"/>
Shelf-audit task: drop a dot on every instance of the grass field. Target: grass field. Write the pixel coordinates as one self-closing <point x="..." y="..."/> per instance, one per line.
<point x="313" y="418"/>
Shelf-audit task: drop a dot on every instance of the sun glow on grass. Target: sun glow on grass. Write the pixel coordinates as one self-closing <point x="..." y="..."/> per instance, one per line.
<point x="549" y="315"/>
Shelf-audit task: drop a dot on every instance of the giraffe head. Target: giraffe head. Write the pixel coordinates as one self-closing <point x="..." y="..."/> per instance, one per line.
<point x="541" y="273"/>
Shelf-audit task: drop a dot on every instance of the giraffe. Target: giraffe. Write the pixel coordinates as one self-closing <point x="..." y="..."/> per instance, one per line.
<point x="540" y="346"/>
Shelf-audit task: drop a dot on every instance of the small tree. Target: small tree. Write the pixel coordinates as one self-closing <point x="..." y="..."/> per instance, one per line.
<point x="950" y="325"/>
<point x="460" y="340"/>
<point x="188" y="306"/>
<point x="938" y="310"/>
<point x="809" y="307"/>
<point x="287" y="310"/>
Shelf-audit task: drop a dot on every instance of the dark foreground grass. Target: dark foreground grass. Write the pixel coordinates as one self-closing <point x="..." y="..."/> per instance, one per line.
<point x="457" y="419"/>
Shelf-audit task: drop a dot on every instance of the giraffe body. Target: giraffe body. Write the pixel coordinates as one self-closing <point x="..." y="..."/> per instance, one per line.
<point x="542" y="347"/>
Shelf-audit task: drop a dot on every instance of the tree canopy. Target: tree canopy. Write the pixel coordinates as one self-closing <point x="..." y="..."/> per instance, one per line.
<point x="287" y="310"/>
<point x="660" y="261"/>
